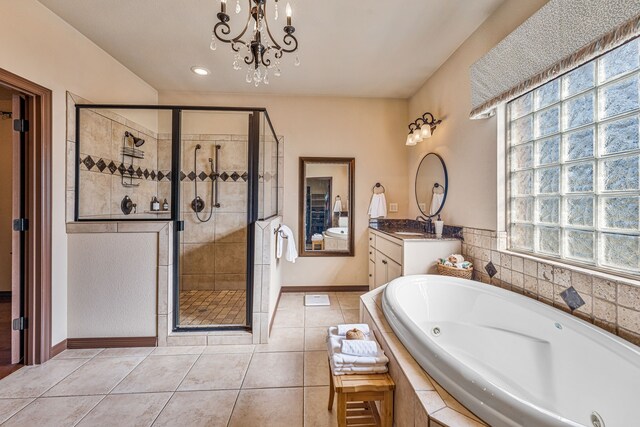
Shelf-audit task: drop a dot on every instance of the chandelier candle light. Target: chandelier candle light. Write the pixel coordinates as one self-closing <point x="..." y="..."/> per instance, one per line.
<point x="258" y="50"/>
<point x="422" y="128"/>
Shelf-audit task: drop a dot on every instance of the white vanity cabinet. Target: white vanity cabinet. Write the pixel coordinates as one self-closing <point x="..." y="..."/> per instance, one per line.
<point x="391" y="257"/>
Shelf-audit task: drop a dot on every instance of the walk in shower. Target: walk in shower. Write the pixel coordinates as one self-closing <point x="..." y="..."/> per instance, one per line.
<point x="211" y="171"/>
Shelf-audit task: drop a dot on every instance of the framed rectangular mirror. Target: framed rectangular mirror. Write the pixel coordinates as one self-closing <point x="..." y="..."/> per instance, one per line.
<point x="326" y="206"/>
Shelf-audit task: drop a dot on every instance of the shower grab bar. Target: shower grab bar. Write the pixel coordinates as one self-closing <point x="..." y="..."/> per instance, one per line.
<point x="216" y="174"/>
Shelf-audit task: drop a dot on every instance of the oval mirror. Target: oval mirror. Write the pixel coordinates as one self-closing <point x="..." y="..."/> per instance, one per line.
<point x="432" y="184"/>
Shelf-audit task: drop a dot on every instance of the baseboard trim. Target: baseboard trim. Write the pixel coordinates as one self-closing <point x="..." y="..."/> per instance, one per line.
<point x="339" y="288"/>
<point x="58" y="348"/>
<point x="79" y="343"/>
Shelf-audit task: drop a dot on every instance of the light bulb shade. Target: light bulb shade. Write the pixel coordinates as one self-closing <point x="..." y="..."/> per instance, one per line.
<point x="425" y="132"/>
<point x="417" y="137"/>
<point x="289" y="11"/>
<point x="410" y="140"/>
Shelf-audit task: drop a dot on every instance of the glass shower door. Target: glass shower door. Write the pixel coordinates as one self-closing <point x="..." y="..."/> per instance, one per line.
<point x="212" y="289"/>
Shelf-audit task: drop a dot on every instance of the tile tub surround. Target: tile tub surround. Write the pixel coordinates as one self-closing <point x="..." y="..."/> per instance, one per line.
<point x="418" y="399"/>
<point x="235" y="385"/>
<point x="611" y="304"/>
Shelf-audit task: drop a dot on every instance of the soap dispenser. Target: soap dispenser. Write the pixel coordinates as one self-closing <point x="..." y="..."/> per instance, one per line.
<point x="155" y="204"/>
<point x="165" y="205"/>
<point x="439" y="227"/>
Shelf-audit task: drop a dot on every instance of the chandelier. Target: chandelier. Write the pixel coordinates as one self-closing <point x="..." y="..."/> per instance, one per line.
<point x="255" y="45"/>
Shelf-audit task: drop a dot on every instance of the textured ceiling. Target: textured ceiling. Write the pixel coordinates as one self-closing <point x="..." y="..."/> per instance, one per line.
<point x="347" y="47"/>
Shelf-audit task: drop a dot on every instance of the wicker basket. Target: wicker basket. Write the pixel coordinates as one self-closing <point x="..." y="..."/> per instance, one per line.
<point x="463" y="273"/>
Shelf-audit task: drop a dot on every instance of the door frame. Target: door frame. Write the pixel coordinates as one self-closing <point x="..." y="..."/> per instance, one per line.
<point x="37" y="194"/>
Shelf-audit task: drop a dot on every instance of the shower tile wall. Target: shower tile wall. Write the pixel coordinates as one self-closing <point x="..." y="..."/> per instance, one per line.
<point x="213" y="253"/>
<point x="102" y="167"/>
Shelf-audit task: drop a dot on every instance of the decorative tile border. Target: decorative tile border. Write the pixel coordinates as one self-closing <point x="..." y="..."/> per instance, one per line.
<point x="110" y="167"/>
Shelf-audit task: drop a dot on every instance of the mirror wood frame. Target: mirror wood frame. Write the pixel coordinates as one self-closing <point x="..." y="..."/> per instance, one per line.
<point x="350" y="162"/>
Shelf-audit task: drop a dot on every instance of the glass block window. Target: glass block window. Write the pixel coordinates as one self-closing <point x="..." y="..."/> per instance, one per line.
<point x="574" y="165"/>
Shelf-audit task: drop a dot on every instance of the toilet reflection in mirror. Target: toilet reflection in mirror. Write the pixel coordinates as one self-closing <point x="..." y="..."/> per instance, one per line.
<point x="432" y="185"/>
<point x="326" y="206"/>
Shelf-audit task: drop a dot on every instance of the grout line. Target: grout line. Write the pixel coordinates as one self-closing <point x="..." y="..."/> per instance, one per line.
<point x="90" y="410"/>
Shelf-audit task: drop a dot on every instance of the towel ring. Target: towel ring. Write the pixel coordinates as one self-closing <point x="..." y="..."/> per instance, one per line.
<point x="279" y="231"/>
<point x="378" y="188"/>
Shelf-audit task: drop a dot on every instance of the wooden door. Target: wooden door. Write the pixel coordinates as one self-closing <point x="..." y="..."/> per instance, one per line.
<point x="17" y="240"/>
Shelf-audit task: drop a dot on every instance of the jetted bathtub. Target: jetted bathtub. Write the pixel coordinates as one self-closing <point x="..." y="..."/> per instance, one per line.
<point x="511" y="360"/>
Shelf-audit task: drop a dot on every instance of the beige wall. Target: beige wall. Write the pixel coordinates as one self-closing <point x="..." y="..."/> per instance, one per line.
<point x="48" y="51"/>
<point x="468" y="147"/>
<point x="6" y="177"/>
<point x="371" y="130"/>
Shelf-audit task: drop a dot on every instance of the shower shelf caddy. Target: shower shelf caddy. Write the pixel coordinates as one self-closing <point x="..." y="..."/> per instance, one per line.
<point x="129" y="154"/>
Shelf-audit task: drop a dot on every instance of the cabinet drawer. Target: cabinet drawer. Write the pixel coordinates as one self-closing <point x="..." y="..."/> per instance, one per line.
<point x="372" y="253"/>
<point x="372" y="239"/>
<point x="390" y="249"/>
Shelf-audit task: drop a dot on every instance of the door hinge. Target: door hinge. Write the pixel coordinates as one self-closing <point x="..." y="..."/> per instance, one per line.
<point x="21" y="125"/>
<point x="180" y="225"/>
<point x="20" y="324"/>
<point x="20" y="224"/>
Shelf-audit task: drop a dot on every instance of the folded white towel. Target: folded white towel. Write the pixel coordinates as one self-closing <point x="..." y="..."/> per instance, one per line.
<point x="364" y="348"/>
<point x="342" y="329"/>
<point x="337" y="370"/>
<point x="292" y="252"/>
<point x="378" y="206"/>
<point x="345" y="360"/>
<point x="317" y="237"/>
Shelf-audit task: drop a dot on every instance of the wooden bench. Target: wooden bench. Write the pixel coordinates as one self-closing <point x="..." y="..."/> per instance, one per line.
<point x="357" y="395"/>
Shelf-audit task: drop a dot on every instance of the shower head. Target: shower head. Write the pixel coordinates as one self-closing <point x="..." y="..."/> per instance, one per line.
<point x="133" y="139"/>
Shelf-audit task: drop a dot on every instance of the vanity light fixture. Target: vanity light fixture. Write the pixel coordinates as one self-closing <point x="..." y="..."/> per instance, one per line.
<point x="201" y="71"/>
<point x="422" y="128"/>
<point x="255" y="45"/>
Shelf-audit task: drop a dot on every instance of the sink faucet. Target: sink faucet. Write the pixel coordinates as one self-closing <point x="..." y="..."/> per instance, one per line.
<point x="428" y="224"/>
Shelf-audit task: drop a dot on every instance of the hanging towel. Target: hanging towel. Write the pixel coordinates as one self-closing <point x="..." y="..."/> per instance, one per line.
<point x="337" y="206"/>
<point x="292" y="252"/>
<point x="378" y="206"/>
<point x="436" y="202"/>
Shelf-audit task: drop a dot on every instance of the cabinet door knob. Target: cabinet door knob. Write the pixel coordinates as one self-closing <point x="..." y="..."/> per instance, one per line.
<point x="370" y="238"/>
<point x="370" y="253"/>
<point x="384" y="261"/>
<point x="371" y="275"/>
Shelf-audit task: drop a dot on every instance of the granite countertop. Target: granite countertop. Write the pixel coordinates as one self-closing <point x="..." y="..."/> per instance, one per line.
<point x="395" y="228"/>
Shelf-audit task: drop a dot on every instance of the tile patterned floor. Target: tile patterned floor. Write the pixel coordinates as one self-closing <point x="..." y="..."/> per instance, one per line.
<point x="283" y="383"/>
<point x="199" y="307"/>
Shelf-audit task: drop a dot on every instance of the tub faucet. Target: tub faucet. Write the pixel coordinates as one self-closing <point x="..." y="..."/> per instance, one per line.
<point x="428" y="224"/>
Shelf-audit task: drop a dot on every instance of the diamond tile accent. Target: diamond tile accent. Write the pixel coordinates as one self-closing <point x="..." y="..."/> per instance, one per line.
<point x="191" y="176"/>
<point x="122" y="169"/>
<point x="153" y="174"/>
<point x="112" y="167"/>
<point x="182" y="176"/>
<point x="131" y="170"/>
<point x="202" y="176"/>
<point x="88" y="162"/>
<point x="101" y="165"/>
<point x="244" y="176"/>
<point x="139" y="172"/>
<point x="490" y="269"/>
<point x="235" y="176"/>
<point x="224" y="176"/>
<point x="160" y="175"/>
<point x="146" y="173"/>
<point x="167" y="175"/>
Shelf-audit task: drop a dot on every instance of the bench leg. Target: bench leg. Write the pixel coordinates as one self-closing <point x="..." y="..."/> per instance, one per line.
<point x="386" y="405"/>
<point x="342" y="410"/>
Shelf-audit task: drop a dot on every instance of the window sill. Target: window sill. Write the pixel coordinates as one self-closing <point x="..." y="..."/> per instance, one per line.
<point x="626" y="279"/>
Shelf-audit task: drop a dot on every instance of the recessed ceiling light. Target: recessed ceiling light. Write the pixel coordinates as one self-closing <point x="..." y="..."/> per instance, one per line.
<point x="201" y="71"/>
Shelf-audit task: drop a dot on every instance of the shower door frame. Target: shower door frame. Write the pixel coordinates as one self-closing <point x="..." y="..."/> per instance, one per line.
<point x="253" y="115"/>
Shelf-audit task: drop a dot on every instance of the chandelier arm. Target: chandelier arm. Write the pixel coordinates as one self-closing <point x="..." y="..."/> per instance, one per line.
<point x="428" y="119"/>
<point x="246" y="26"/>
<point x="224" y="31"/>
<point x="290" y="40"/>
<point x="266" y="22"/>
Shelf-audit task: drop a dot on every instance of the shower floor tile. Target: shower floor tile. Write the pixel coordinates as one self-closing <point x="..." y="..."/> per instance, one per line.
<point x="199" y="307"/>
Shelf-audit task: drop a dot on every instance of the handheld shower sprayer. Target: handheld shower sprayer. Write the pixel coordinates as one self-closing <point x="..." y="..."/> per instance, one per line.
<point x="198" y="204"/>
